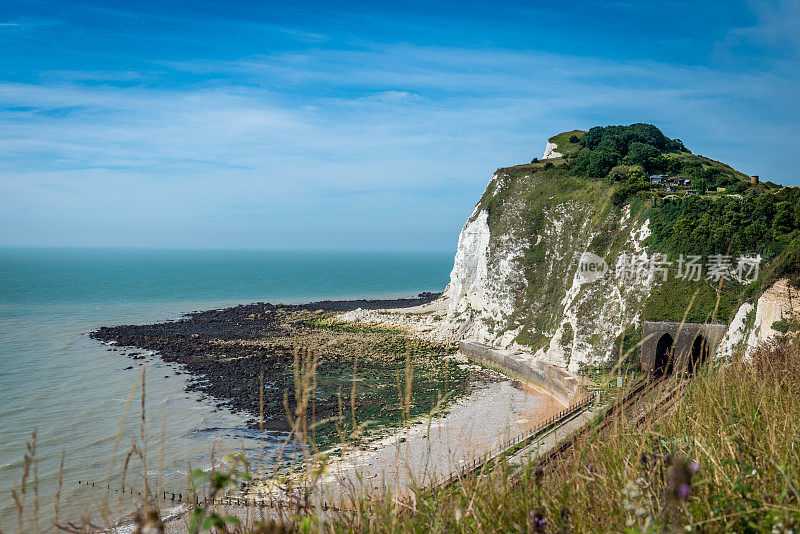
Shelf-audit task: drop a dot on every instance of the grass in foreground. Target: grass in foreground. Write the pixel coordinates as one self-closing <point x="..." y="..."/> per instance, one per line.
<point x="727" y="458"/>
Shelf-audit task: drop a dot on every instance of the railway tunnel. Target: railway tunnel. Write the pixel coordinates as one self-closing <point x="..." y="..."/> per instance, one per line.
<point x="669" y="347"/>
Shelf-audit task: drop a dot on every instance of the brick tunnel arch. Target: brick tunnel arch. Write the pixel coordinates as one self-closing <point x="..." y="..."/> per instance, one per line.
<point x="670" y="346"/>
<point x="663" y="363"/>
<point x="699" y="353"/>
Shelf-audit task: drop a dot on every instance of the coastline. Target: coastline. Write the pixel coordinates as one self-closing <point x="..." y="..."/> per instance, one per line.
<point x="226" y="352"/>
<point x="426" y="450"/>
<point x="396" y="455"/>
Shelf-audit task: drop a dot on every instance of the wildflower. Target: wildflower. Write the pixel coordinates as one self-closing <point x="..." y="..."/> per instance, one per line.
<point x="679" y="477"/>
<point x="537" y="521"/>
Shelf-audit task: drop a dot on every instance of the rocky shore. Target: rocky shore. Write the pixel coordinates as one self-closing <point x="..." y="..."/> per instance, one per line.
<point x="227" y="350"/>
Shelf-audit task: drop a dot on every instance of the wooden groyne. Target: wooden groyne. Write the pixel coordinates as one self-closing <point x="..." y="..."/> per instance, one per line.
<point x="167" y="497"/>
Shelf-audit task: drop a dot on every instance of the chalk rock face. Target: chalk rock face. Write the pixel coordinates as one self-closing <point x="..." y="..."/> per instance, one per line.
<point x="515" y="282"/>
<point x="737" y="333"/>
<point x="550" y="151"/>
<point x="469" y="278"/>
<point x="779" y="302"/>
<point x="753" y="324"/>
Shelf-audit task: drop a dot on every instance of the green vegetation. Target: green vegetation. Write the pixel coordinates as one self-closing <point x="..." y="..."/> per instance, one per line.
<point x="568" y="142"/>
<point x="638" y="144"/>
<point x="626" y="155"/>
<point x="323" y="323"/>
<point x="760" y="222"/>
<point x="670" y="300"/>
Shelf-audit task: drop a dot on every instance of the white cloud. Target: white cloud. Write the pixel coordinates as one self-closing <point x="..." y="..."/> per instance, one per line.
<point x="341" y="134"/>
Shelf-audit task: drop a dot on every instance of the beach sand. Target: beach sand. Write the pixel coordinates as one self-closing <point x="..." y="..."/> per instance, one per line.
<point x="429" y="449"/>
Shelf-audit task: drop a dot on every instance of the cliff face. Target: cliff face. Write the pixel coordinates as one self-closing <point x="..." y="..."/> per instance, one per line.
<point x="515" y="281"/>
<point x="519" y="278"/>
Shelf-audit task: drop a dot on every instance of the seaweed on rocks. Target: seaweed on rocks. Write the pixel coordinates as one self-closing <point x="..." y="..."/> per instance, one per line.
<point x="227" y="350"/>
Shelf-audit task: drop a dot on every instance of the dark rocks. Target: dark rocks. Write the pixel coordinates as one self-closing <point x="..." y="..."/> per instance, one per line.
<point x="226" y="351"/>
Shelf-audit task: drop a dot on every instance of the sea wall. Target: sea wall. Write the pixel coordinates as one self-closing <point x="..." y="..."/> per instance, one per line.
<point x="563" y="386"/>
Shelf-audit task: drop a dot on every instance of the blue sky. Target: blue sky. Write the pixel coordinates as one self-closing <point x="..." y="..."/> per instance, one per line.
<point x="356" y="125"/>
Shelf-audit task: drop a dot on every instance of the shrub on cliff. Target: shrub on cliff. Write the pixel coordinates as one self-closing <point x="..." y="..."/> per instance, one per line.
<point x="763" y="223"/>
<point x="596" y="163"/>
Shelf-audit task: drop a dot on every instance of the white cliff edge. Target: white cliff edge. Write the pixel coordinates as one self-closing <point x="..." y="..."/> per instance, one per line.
<point x="487" y="283"/>
<point x="753" y="324"/>
<point x="550" y="151"/>
<point x="779" y="302"/>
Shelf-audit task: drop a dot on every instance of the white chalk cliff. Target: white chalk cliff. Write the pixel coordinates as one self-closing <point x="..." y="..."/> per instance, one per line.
<point x="515" y="282"/>
<point x="550" y="151"/>
<point x="489" y="298"/>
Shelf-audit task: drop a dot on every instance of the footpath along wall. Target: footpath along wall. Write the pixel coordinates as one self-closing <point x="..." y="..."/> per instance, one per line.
<point x="562" y="385"/>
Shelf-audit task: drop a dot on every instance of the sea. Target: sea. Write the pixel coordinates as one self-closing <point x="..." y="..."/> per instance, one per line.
<point x="82" y="400"/>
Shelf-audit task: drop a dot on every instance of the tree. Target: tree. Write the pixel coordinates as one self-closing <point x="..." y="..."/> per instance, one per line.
<point x="640" y="154"/>
<point x="601" y="162"/>
<point x="784" y="217"/>
<point x="621" y="137"/>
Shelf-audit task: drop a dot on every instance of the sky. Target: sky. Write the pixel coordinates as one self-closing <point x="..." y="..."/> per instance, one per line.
<point x="356" y="125"/>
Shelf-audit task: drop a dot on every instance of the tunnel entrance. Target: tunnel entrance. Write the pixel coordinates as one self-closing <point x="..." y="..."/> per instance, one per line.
<point x="663" y="363"/>
<point x="669" y="347"/>
<point x="699" y="353"/>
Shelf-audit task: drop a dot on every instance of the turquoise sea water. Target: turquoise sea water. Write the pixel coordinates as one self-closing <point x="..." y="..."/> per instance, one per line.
<point x="75" y="392"/>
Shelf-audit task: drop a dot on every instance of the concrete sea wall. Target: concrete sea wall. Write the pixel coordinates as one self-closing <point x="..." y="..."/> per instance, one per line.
<point x="562" y="385"/>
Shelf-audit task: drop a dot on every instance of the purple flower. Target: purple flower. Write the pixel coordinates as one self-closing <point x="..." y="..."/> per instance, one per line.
<point x="683" y="491"/>
<point x="694" y="467"/>
<point x="538" y="521"/>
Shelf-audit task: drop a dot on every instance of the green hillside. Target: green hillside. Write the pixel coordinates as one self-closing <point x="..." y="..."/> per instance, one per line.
<point x="601" y="189"/>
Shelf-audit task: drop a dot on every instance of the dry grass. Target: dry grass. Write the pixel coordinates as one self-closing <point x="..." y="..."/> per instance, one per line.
<point x="726" y="458"/>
